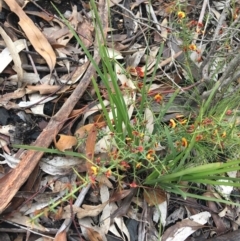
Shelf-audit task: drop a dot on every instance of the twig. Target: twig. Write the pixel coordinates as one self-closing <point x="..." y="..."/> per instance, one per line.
<point x="28" y="229"/>
<point x="200" y="20"/>
<point x="30" y="58"/>
<point x="46" y="69"/>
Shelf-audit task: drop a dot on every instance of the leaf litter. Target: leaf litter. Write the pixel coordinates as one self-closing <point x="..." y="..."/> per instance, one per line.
<point x="41" y="65"/>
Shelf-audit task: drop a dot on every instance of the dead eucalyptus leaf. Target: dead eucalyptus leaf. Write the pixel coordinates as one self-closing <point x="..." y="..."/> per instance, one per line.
<point x="62" y="236"/>
<point x="89" y="210"/>
<point x="91" y="141"/>
<point x="85" y="211"/>
<point x="65" y="142"/>
<point x="46" y="89"/>
<point x="5" y="55"/>
<point x="154" y="196"/>
<point x="26" y="221"/>
<point x="14" y="53"/>
<point x="93" y="235"/>
<point x="34" y="35"/>
<point x="181" y="230"/>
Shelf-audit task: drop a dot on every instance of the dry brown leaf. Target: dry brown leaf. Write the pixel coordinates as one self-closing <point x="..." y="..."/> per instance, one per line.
<point x="86" y="33"/>
<point x="118" y="195"/>
<point x="93" y="235"/>
<point x="76" y="76"/>
<point x="14" y="53"/>
<point x="91" y="141"/>
<point x="34" y="35"/>
<point x="26" y="221"/>
<point x="65" y="142"/>
<point x="61" y="236"/>
<point x="42" y="15"/>
<point x="181" y="230"/>
<point x="85" y="211"/>
<point x="103" y="180"/>
<point x="19" y="93"/>
<point x="91" y="211"/>
<point x="45" y="89"/>
<point x="83" y="130"/>
<point x="154" y="196"/>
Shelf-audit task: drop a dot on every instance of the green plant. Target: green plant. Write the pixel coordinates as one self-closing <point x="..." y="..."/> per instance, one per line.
<point x="198" y="148"/>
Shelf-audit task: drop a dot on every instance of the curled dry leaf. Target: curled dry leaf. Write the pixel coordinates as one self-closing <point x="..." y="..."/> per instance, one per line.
<point x="62" y="236"/>
<point x="6" y="57"/>
<point x="34" y="35"/>
<point x="46" y="89"/>
<point x="83" y="131"/>
<point x="8" y="131"/>
<point x="76" y="75"/>
<point x="119" y="194"/>
<point x="25" y="221"/>
<point x="90" y="142"/>
<point x="85" y="211"/>
<point x="14" y="53"/>
<point x="154" y="196"/>
<point x="181" y="230"/>
<point x="61" y="165"/>
<point x="65" y="142"/>
<point x="93" y="235"/>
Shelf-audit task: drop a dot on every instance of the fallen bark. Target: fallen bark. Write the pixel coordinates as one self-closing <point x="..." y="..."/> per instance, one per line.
<point x="12" y="181"/>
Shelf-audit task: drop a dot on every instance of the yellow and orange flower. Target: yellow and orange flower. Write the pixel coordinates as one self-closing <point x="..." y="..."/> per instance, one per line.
<point x="224" y="134"/>
<point x="184" y="142"/>
<point x="192" y="47"/>
<point x="94" y="170"/>
<point x="158" y="98"/>
<point x="172" y="123"/>
<point x="150" y="155"/>
<point x="138" y="165"/>
<point x="181" y="15"/>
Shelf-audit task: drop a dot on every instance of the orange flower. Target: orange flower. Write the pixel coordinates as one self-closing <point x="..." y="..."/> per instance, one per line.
<point x="184" y="142"/>
<point x="229" y="112"/>
<point x="172" y="123"/>
<point x="199" y="137"/>
<point x="108" y="173"/>
<point x="94" y="170"/>
<point x="181" y="15"/>
<point x="158" y="98"/>
<point x="124" y="165"/>
<point x="192" y="47"/>
<point x="191" y="128"/>
<point x="224" y="134"/>
<point x="140" y="72"/>
<point x="183" y="121"/>
<point x="140" y="148"/>
<point x="138" y="165"/>
<point x="150" y="154"/>
<point x="133" y="184"/>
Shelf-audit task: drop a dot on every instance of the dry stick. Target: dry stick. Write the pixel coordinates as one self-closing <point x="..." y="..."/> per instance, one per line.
<point x="23" y="229"/>
<point x="12" y="181"/>
<point x="46" y="69"/>
<point x="31" y="59"/>
<point x="200" y="20"/>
